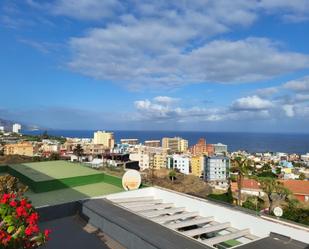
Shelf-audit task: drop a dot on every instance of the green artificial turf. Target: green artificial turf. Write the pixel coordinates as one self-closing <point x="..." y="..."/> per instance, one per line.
<point x="49" y="170"/>
<point x="71" y="194"/>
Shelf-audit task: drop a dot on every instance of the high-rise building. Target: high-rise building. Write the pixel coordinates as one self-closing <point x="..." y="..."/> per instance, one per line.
<point x="1" y="128"/>
<point x="216" y="169"/>
<point x="152" y="143"/>
<point x="179" y="162"/>
<point x="16" y="128"/>
<point x="210" y="149"/>
<point x="200" y="148"/>
<point x="197" y="165"/>
<point x="175" y="144"/>
<point x="220" y="148"/>
<point x="104" y="138"/>
<point x="131" y="141"/>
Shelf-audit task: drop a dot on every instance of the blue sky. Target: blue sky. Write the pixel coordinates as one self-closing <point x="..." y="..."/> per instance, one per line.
<point x="156" y="65"/>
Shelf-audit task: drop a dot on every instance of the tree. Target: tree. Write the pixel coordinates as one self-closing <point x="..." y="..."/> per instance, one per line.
<point x="274" y="190"/>
<point x="54" y="156"/>
<point x="302" y="176"/>
<point x="172" y="175"/>
<point x="240" y="165"/>
<point x="78" y="151"/>
<point x="45" y="135"/>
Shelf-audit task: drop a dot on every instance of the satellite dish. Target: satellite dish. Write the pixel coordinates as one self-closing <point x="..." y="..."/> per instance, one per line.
<point x="278" y="211"/>
<point x="131" y="180"/>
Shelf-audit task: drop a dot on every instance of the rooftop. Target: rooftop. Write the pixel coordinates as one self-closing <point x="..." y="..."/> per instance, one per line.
<point x="43" y="171"/>
<point x="134" y="220"/>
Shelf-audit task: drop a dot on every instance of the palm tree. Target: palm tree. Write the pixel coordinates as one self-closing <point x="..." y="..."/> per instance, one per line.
<point x="240" y="165"/>
<point x="274" y="190"/>
<point x="78" y="151"/>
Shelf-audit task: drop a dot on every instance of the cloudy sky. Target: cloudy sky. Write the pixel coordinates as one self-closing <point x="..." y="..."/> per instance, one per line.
<point x="209" y="65"/>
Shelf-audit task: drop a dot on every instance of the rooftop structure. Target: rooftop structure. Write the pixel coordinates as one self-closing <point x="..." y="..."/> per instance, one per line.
<point x="131" y="141"/>
<point x="152" y="143"/>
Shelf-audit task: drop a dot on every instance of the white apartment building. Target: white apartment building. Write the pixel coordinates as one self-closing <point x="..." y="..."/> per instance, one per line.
<point x="180" y="162"/>
<point x="220" y="148"/>
<point x="16" y="128"/>
<point x="216" y="169"/>
<point x="142" y="158"/>
<point x="1" y="128"/>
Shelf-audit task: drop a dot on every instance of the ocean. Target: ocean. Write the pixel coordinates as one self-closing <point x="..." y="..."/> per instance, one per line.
<point x="251" y="142"/>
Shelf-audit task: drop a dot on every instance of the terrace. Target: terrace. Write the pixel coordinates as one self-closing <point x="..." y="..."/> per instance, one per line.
<point x="56" y="182"/>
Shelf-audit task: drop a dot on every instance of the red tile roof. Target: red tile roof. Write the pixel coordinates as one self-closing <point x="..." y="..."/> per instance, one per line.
<point x="297" y="186"/>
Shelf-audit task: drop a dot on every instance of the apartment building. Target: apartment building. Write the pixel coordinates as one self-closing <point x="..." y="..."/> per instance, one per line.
<point x="179" y="162"/>
<point x="130" y="141"/>
<point x="216" y="169"/>
<point x="197" y="165"/>
<point x="23" y="148"/>
<point x="152" y="143"/>
<point x="104" y="138"/>
<point x="220" y="148"/>
<point x="175" y="144"/>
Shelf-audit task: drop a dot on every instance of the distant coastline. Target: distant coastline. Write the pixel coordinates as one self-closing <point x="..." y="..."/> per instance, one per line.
<point x="249" y="141"/>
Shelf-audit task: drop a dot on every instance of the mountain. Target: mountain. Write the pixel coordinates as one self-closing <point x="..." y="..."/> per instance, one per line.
<point x="7" y="124"/>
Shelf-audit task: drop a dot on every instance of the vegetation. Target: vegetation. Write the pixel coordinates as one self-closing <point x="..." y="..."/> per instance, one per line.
<point x="19" y="223"/>
<point x="254" y="203"/>
<point x="54" y="156"/>
<point x="188" y="184"/>
<point x="302" y="176"/>
<point x="172" y="175"/>
<point x="295" y="212"/>
<point x="274" y="190"/>
<point x="225" y="197"/>
<point x="78" y="151"/>
<point x="242" y="166"/>
<point x="10" y="184"/>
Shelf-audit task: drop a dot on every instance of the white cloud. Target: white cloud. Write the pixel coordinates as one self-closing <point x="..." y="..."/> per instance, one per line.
<point x="81" y="9"/>
<point x="251" y="103"/>
<point x="165" y="100"/>
<point x="267" y="92"/>
<point x="153" y="54"/>
<point x="302" y="97"/>
<point x="293" y="11"/>
<point x="298" y="85"/>
<point x="289" y="110"/>
<point x="159" y="111"/>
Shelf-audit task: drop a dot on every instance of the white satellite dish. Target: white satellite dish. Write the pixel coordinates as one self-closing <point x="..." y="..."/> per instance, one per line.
<point x="278" y="211"/>
<point x="131" y="180"/>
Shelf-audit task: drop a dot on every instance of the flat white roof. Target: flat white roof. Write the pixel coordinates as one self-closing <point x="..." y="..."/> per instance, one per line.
<point x="203" y="220"/>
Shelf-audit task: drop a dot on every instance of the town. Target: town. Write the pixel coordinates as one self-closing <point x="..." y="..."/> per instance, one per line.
<point x="204" y="170"/>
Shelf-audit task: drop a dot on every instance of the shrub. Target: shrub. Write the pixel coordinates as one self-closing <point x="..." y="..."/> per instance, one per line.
<point x="19" y="224"/>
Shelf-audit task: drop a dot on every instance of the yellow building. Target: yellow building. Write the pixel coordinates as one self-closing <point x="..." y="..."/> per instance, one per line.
<point x="197" y="165"/>
<point x="159" y="161"/>
<point x="175" y="144"/>
<point x="23" y="148"/>
<point x="104" y="138"/>
<point x="286" y="170"/>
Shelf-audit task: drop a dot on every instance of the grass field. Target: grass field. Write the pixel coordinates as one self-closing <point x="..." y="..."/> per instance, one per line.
<point x="71" y="194"/>
<point x="44" y="171"/>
